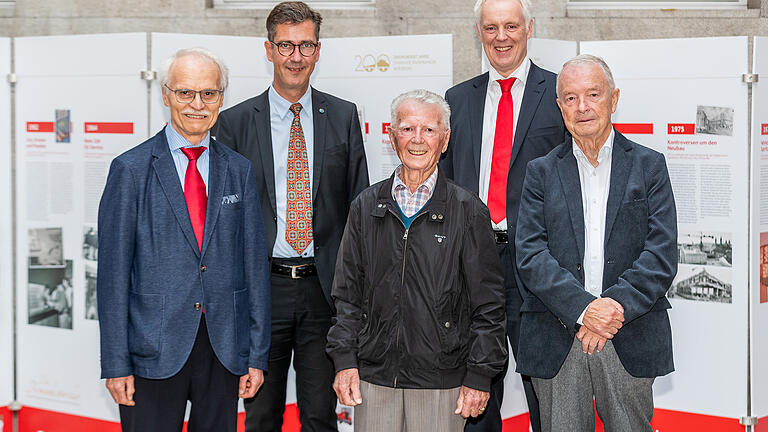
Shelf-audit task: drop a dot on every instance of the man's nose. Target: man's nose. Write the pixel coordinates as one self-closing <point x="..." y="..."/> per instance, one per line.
<point x="197" y="103"/>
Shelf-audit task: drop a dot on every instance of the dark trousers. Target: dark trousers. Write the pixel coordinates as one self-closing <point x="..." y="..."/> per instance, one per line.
<point x="301" y="318"/>
<point x="490" y="421"/>
<point x="203" y="380"/>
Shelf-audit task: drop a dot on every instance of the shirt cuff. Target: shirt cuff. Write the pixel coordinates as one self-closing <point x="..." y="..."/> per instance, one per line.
<point x="580" y="321"/>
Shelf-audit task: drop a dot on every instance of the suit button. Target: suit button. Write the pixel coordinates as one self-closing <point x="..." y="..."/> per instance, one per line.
<point x="365" y="316"/>
<point x="197" y="306"/>
<point x="447" y="324"/>
<point x="578" y="267"/>
<point x="202" y="268"/>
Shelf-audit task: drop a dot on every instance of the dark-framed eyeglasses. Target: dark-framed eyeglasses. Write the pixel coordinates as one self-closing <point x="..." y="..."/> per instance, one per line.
<point x="306" y="48"/>
<point x="185" y="96"/>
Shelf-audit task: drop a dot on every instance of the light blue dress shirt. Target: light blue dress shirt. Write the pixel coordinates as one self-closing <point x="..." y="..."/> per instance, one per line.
<point x="280" y="119"/>
<point x="176" y="142"/>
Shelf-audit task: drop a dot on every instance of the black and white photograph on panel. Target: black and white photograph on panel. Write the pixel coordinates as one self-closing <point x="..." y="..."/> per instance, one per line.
<point x="49" y="296"/>
<point x="90" y="243"/>
<point x="46" y="248"/>
<point x="702" y="283"/>
<point x="714" y="120"/>
<point x="704" y="248"/>
<point x="91" y="309"/>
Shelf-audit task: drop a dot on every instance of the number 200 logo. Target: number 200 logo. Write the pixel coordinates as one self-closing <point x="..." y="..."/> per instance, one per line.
<point x="368" y="63"/>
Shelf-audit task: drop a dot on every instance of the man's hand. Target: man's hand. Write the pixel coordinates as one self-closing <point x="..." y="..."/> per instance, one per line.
<point x="471" y="402"/>
<point x="347" y="387"/>
<point x="604" y="316"/>
<point x="590" y="340"/>
<point x="250" y="383"/>
<point x="122" y="390"/>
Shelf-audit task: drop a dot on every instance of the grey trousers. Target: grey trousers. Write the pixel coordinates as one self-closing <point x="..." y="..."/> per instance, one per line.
<point x="624" y="403"/>
<point x="386" y="409"/>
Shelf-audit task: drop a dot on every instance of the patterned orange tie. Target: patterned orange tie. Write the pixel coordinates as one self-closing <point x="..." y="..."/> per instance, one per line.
<point x="298" y="217"/>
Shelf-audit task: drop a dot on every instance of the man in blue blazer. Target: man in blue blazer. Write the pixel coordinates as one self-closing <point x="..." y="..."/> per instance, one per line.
<point x="502" y="126"/>
<point x="183" y="284"/>
<point x="597" y="251"/>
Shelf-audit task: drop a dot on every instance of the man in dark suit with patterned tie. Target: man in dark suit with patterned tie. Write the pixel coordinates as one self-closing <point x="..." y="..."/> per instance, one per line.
<point x="500" y="121"/>
<point x="307" y="150"/>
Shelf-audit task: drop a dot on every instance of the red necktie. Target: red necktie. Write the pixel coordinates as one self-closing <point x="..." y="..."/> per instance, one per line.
<point x="502" y="152"/>
<point x="194" y="193"/>
<point x="298" y="217"/>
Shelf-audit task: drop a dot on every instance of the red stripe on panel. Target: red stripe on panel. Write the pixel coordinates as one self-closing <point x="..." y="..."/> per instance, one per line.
<point x="39" y="126"/>
<point x="518" y="423"/>
<point x="6" y="419"/>
<point x="34" y="420"/>
<point x="634" y="128"/>
<point x="109" y="128"/>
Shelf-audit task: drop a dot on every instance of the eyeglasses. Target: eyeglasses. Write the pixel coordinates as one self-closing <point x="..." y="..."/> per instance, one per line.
<point x="185" y="96"/>
<point x="426" y="131"/>
<point x="286" y="49"/>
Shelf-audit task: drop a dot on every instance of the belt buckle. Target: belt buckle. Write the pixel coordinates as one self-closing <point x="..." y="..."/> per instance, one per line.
<point x="294" y="275"/>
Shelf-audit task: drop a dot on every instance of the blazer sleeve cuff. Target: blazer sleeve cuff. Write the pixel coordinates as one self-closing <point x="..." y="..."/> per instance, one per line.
<point x="258" y="363"/>
<point x="116" y="372"/>
<point x="477" y="381"/>
<point x="344" y="360"/>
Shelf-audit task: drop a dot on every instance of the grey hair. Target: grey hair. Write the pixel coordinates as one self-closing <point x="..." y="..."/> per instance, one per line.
<point x="163" y="73"/>
<point x="292" y="12"/>
<point x="524" y="4"/>
<point x="421" y="96"/>
<point x="587" y="60"/>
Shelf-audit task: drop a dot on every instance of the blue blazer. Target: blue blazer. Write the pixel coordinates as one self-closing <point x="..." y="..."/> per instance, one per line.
<point x="640" y="259"/>
<point x="151" y="272"/>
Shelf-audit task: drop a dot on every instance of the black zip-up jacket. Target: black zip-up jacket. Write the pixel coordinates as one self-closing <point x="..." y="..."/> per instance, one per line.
<point x="422" y="307"/>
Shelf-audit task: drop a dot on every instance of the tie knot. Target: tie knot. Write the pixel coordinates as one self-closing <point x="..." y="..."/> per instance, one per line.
<point x="296" y="108"/>
<point x="192" y="153"/>
<point x="506" y="84"/>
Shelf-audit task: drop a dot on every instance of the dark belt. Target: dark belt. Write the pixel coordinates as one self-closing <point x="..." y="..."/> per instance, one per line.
<point x="294" y="271"/>
<point x="501" y="237"/>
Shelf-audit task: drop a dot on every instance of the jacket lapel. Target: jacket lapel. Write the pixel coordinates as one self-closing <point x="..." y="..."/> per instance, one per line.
<point x="569" y="180"/>
<point x="166" y="173"/>
<point x="476" y="109"/>
<point x="620" y="168"/>
<point x="534" y="90"/>
<point x="217" y="176"/>
<point x="264" y="144"/>
<point x="319" y="122"/>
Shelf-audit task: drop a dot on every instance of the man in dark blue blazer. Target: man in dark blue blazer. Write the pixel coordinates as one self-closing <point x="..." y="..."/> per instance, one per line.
<point x="183" y="284"/>
<point x="478" y="144"/>
<point x="597" y="251"/>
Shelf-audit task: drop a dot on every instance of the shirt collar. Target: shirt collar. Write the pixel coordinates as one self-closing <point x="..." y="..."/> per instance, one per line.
<point x="521" y="73"/>
<point x="429" y="183"/>
<point x="176" y="141"/>
<point x="604" y="153"/>
<point x="282" y="107"/>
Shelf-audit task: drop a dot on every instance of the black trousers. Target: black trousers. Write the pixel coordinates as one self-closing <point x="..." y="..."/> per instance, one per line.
<point x="490" y="421"/>
<point x="301" y="318"/>
<point x="203" y="380"/>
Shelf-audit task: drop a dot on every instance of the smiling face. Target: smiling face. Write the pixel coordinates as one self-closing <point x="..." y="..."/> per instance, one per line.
<point x="502" y="30"/>
<point x="587" y="101"/>
<point x="419" y="139"/>
<point x="292" y="73"/>
<point x="193" y="120"/>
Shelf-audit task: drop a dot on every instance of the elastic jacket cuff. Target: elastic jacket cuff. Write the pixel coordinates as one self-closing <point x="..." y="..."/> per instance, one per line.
<point x="477" y="381"/>
<point x="344" y="360"/>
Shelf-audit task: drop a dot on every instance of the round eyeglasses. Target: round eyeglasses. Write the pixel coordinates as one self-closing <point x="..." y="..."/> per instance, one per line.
<point x="286" y="49"/>
<point x="185" y="96"/>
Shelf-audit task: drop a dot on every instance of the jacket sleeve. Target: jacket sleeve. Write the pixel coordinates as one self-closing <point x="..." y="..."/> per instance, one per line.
<point x="540" y="272"/>
<point x="649" y="277"/>
<point x="223" y="131"/>
<point x="357" y="166"/>
<point x="256" y="276"/>
<point x="347" y="293"/>
<point x="117" y="241"/>
<point x="481" y="269"/>
<point x="446" y="159"/>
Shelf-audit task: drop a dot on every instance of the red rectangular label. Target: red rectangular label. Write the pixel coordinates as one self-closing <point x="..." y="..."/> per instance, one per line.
<point x="634" y="128"/>
<point x="366" y="128"/>
<point x="385" y="128"/>
<point x="764" y="129"/>
<point x="681" y="128"/>
<point x="110" y="128"/>
<point x="39" y="126"/>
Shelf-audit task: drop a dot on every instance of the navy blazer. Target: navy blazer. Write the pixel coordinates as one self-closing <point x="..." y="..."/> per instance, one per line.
<point x="640" y="259"/>
<point x="539" y="129"/>
<point x="151" y="272"/>
<point x="339" y="169"/>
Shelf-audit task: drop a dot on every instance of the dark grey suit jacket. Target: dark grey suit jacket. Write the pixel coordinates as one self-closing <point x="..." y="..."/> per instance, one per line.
<point x="640" y="256"/>
<point x="340" y="171"/>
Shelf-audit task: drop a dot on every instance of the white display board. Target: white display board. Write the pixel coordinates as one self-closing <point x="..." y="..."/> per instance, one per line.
<point x="6" y="278"/>
<point x="685" y="98"/>
<point x="80" y="102"/>
<point x="759" y="236"/>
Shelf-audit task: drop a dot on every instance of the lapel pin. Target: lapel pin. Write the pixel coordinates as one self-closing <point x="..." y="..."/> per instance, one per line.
<point x="322" y="110"/>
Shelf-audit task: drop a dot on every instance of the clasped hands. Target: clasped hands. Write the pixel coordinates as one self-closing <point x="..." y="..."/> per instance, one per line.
<point x="471" y="402"/>
<point x="602" y="320"/>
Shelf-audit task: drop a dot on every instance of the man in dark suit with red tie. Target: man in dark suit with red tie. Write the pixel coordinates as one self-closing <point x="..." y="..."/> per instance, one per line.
<point x="500" y="121"/>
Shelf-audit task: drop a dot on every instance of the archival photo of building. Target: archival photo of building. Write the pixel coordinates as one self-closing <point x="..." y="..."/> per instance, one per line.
<point x="714" y="120"/>
<point x="701" y="283"/>
<point x="704" y="248"/>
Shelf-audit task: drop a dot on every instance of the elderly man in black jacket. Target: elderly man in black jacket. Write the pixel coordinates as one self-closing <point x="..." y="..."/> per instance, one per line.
<point x="418" y="289"/>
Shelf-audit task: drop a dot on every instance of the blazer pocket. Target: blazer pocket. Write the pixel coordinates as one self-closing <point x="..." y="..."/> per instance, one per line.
<point x="242" y="322"/>
<point x="145" y="324"/>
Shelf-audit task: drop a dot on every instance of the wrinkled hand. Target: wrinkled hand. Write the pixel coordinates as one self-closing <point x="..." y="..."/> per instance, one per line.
<point x="471" y="402"/>
<point x="604" y="316"/>
<point x="590" y="340"/>
<point x="122" y="390"/>
<point x="347" y="387"/>
<point x="250" y="383"/>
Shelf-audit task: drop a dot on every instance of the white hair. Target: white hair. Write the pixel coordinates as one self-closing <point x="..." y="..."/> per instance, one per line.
<point x="421" y="96"/>
<point x="165" y="67"/>
<point x="587" y="60"/>
<point x="524" y="4"/>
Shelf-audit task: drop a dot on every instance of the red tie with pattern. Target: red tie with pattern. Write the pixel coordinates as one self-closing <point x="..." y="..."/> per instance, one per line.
<point x="194" y="193"/>
<point x="298" y="217"/>
<point x="502" y="152"/>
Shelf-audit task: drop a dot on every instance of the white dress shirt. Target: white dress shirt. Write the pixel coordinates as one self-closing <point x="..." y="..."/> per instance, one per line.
<point x="595" y="183"/>
<point x="280" y="119"/>
<point x="492" y="96"/>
